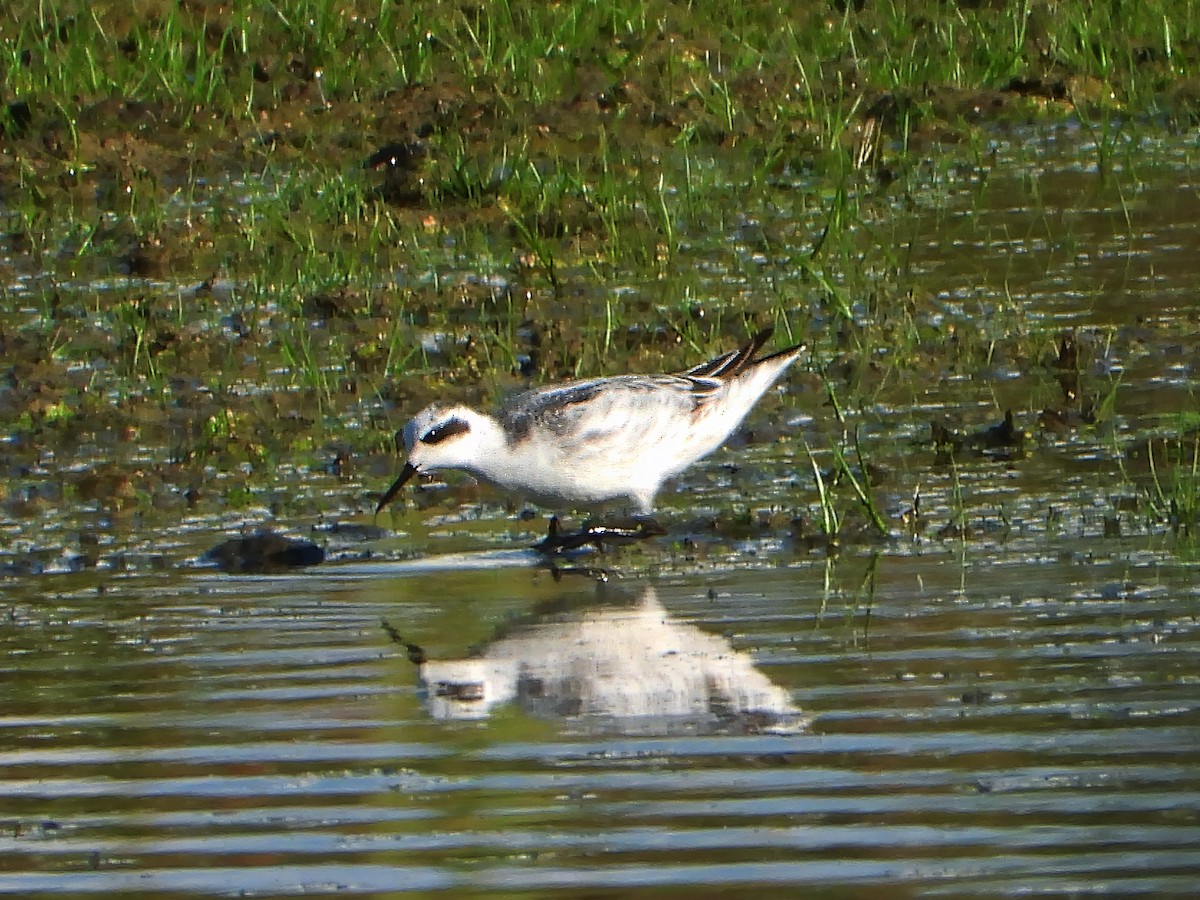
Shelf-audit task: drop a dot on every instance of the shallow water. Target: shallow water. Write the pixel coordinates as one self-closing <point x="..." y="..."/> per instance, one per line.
<point x="1001" y="697"/>
<point x="963" y="734"/>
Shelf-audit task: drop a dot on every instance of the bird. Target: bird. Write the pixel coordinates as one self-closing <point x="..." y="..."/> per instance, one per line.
<point x="594" y="442"/>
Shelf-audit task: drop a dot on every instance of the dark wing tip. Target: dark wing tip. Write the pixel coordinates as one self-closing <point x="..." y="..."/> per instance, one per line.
<point x="793" y="350"/>
<point x="743" y="358"/>
<point x="731" y="364"/>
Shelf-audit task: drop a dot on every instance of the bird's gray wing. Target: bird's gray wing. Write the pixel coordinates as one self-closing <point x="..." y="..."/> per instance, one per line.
<point x="603" y="410"/>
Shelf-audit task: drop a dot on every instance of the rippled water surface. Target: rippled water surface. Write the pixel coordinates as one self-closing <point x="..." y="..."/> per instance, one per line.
<point x="1002" y="697"/>
<point x="1021" y="724"/>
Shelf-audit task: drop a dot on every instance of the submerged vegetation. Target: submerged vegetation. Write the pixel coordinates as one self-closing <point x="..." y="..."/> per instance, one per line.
<point x="243" y="240"/>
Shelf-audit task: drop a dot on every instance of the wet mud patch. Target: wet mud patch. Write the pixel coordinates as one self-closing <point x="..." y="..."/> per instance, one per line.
<point x="262" y="275"/>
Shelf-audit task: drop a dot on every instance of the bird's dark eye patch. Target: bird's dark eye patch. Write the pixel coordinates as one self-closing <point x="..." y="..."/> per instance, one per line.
<point x="445" y="430"/>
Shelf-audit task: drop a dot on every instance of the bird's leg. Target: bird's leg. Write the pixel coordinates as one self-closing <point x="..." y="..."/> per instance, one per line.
<point x="559" y="541"/>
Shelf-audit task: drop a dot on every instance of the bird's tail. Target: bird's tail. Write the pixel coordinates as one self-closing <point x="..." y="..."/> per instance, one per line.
<point x="756" y="377"/>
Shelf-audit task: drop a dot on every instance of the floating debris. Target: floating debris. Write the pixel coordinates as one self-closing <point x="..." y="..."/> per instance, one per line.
<point x="264" y="551"/>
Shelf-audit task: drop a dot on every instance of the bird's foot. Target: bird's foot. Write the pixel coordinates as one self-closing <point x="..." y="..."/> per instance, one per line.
<point x="595" y="534"/>
<point x="637" y="528"/>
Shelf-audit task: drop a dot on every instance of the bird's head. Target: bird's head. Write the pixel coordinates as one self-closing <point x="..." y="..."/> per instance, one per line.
<point x="440" y="437"/>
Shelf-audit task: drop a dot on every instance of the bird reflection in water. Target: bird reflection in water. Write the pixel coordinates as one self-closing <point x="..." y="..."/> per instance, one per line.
<point x="630" y="669"/>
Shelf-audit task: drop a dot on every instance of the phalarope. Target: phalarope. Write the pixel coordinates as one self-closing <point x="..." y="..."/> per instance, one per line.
<point x="588" y="443"/>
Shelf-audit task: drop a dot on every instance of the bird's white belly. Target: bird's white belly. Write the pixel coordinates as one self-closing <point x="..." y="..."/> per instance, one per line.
<point x="550" y="480"/>
<point x="559" y="485"/>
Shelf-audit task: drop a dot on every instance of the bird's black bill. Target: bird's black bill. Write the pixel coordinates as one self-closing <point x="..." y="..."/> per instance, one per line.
<point x="406" y="473"/>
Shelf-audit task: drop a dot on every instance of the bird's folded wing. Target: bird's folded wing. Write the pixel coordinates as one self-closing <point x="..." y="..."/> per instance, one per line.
<point x="594" y="416"/>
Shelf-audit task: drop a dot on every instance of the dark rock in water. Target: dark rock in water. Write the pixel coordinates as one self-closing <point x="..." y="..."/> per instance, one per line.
<point x="397" y="155"/>
<point x="19" y="116"/>
<point x="264" y="552"/>
<point x="944" y="438"/>
<point x="1002" y="434"/>
<point x="400" y="164"/>
<point x="1064" y="421"/>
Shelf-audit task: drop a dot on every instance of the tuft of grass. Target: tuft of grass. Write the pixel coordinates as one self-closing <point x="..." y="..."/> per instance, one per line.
<point x="1174" y="488"/>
